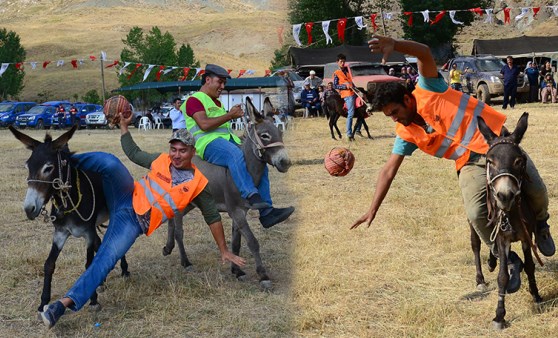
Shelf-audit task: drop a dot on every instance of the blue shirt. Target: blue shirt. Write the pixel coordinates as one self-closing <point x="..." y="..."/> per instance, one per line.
<point x="532" y="75"/>
<point x="510" y="75"/>
<point x="436" y="85"/>
<point x="307" y="96"/>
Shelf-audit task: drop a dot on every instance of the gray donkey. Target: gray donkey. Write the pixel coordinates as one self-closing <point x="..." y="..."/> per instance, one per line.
<point x="262" y="145"/>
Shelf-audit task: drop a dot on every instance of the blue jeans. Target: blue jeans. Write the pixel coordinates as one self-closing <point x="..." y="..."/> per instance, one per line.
<point x="123" y="228"/>
<point x="228" y="154"/>
<point x="350" y="103"/>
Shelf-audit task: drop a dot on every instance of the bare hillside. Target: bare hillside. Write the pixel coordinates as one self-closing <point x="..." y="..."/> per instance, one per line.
<point x="236" y="34"/>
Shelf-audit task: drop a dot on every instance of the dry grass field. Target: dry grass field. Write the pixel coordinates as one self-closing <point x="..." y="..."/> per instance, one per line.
<point x="410" y="274"/>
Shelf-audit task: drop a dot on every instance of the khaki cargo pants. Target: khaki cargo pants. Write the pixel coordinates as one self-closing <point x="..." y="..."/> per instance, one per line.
<point x="472" y="181"/>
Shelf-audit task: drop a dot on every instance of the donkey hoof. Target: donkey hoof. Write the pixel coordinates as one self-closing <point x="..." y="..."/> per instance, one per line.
<point x="266" y="285"/>
<point x="241" y="278"/>
<point x="95" y="307"/>
<point x="125" y="274"/>
<point x="498" y="325"/>
<point x="166" y="251"/>
<point x="101" y="288"/>
<point x="189" y="268"/>
<point x="483" y="287"/>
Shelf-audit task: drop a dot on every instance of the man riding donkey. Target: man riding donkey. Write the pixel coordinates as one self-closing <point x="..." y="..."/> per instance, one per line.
<point x="135" y="208"/>
<point x="209" y="122"/>
<point x="443" y="122"/>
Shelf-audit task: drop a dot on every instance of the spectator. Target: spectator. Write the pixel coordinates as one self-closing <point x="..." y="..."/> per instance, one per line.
<point x="545" y="70"/>
<point x="310" y="100"/>
<point x="548" y="87"/>
<point x="533" y="76"/>
<point x="313" y="80"/>
<point x="408" y="82"/>
<point x="510" y="73"/>
<point x="391" y="72"/>
<point x="60" y="114"/>
<point x="413" y="74"/>
<point x="455" y="78"/>
<point x="176" y="115"/>
<point x="73" y="115"/>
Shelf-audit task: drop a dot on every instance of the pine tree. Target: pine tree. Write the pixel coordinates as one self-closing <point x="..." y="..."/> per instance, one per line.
<point x="11" y="51"/>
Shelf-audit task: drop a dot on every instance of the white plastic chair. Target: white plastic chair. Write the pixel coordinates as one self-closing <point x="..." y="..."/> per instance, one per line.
<point x="144" y="123"/>
<point x="290" y="122"/>
<point x="158" y="123"/>
<point x="237" y="124"/>
<point x="278" y="123"/>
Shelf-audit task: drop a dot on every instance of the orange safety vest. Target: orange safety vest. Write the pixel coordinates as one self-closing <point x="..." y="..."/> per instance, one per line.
<point x="453" y="116"/>
<point x="344" y="79"/>
<point x="155" y="192"/>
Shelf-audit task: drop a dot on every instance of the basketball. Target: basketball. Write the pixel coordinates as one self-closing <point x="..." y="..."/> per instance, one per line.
<point x="339" y="161"/>
<point x="114" y="106"/>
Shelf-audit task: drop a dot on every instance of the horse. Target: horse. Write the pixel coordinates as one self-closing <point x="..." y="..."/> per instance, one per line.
<point x="78" y="203"/>
<point x="262" y="145"/>
<point x="509" y="212"/>
<point x="334" y="106"/>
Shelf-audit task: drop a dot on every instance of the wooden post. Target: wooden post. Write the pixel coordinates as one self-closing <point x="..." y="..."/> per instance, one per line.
<point x="102" y="79"/>
<point x="383" y="22"/>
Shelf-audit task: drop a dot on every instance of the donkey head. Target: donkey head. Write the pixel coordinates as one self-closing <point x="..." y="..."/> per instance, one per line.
<point x="48" y="161"/>
<point x="505" y="162"/>
<point x="265" y="138"/>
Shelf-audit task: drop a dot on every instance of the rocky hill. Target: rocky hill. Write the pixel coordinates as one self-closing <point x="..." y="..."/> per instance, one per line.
<point x="238" y="34"/>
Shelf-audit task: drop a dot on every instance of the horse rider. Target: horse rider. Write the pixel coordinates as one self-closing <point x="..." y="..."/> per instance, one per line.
<point x="208" y="121"/>
<point x="442" y="122"/>
<point x="172" y="183"/>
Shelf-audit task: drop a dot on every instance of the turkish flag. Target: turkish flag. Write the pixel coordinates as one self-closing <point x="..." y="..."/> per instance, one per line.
<point x="308" y="27"/>
<point x="410" y="20"/>
<point x="74" y="63"/>
<point x="341" y="24"/>
<point x="45" y="64"/>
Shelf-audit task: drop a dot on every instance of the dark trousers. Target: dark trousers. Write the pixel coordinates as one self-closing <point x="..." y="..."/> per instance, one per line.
<point x="533" y="93"/>
<point x="510" y="91"/>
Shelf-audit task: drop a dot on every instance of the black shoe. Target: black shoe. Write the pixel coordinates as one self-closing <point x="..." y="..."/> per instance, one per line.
<point x="277" y="215"/>
<point x="515" y="265"/>
<point x="256" y="202"/>
<point x="545" y="243"/>
<point x="351" y="138"/>
<point x="51" y="313"/>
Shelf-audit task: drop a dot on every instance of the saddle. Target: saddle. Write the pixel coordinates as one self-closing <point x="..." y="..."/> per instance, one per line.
<point x="358" y="103"/>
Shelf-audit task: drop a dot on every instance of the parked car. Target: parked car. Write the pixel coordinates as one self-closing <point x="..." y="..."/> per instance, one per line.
<point x="367" y="76"/>
<point x="80" y="118"/>
<point x="38" y="117"/>
<point x="9" y="110"/>
<point x="97" y="118"/>
<point x="481" y="76"/>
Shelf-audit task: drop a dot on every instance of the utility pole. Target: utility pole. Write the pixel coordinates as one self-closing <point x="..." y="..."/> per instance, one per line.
<point x="102" y="79"/>
<point x="383" y="21"/>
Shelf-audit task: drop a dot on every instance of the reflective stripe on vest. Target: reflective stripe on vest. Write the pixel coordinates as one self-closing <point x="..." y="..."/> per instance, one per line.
<point x="453" y="117"/>
<point x="155" y="193"/>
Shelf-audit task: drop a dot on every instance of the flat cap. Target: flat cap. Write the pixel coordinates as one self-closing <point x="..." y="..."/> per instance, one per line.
<point x="219" y="71"/>
<point x="184" y="136"/>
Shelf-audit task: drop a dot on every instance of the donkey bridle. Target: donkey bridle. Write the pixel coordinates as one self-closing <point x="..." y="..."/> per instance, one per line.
<point x="503" y="219"/>
<point x="260" y="147"/>
<point x="63" y="188"/>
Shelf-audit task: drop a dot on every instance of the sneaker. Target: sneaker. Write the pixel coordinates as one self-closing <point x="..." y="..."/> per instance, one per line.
<point x="515" y="265"/>
<point x="256" y="202"/>
<point x="277" y="215"/>
<point x="51" y="313"/>
<point x="545" y="243"/>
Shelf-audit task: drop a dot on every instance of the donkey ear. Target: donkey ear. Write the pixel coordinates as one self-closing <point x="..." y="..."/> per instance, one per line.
<point x="253" y="112"/>
<point x="62" y="141"/>
<point x="521" y="128"/>
<point x="268" y="109"/>
<point x="485" y="130"/>
<point x="29" y="142"/>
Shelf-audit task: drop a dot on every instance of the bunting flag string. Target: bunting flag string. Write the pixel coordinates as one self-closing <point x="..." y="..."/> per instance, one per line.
<point x="440" y="14"/>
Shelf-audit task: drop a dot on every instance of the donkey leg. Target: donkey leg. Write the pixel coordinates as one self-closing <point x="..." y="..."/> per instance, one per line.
<point x="475" y="246"/>
<point x="254" y="247"/>
<point x="93" y="243"/>
<point x="529" y="267"/>
<point x="167" y="249"/>
<point x="124" y="267"/>
<point x="365" y="125"/>
<point x="58" y="241"/>
<point x="331" y="124"/>
<point x="499" y="322"/>
<point x="235" y="248"/>
<point x="335" y="125"/>
<point x="179" y="238"/>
